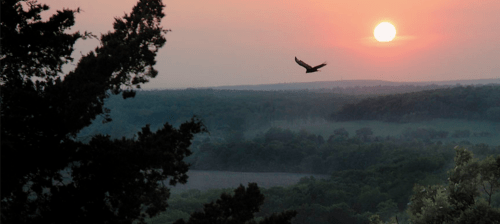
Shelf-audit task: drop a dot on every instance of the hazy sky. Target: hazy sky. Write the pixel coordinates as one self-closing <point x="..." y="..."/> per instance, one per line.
<point x="236" y="42"/>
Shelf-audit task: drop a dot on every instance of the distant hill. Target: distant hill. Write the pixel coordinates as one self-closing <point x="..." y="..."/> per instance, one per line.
<point x="221" y="110"/>
<point x="354" y="83"/>
<point x="460" y="102"/>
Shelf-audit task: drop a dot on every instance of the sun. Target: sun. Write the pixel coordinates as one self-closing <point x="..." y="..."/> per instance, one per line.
<point x="384" y="32"/>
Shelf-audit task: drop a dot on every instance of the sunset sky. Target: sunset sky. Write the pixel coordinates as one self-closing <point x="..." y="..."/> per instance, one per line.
<point x="221" y="42"/>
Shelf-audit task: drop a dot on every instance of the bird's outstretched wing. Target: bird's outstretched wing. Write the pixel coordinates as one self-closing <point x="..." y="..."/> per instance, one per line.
<point x="319" y="66"/>
<point x="303" y="64"/>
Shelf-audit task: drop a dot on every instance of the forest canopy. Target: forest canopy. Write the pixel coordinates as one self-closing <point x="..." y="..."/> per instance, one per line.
<point x="463" y="102"/>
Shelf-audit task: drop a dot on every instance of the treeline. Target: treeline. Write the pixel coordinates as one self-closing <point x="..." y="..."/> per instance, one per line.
<point x="380" y="89"/>
<point x="282" y="150"/>
<point x="234" y="110"/>
<point x="473" y="103"/>
<point x="367" y="177"/>
<point x="351" y="87"/>
<point x="220" y="110"/>
<point x="429" y="134"/>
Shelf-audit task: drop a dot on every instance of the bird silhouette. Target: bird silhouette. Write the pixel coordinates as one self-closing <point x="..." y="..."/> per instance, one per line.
<point x="309" y="68"/>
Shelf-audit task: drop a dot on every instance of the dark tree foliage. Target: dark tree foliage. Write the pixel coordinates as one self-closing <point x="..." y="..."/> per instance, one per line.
<point x="365" y="177"/>
<point x="466" y="199"/>
<point x="363" y="133"/>
<point x="236" y="209"/>
<point x="282" y="150"/>
<point x="425" y="134"/>
<point x="48" y="176"/>
<point x="474" y="103"/>
<point x="341" y="132"/>
<point x="224" y="112"/>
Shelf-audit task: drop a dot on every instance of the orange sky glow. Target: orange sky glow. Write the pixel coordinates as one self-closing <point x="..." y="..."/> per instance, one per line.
<point x="218" y="42"/>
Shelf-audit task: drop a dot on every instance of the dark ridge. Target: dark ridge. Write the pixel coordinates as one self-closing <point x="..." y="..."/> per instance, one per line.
<point x="354" y="83"/>
<point x="462" y="102"/>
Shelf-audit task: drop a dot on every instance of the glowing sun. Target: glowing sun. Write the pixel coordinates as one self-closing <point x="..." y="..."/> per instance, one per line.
<point x="384" y="32"/>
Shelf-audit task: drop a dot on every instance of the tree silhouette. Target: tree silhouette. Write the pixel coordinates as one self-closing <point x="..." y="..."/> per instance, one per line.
<point x="341" y="132"/>
<point x="363" y="133"/>
<point x="466" y="199"/>
<point x="237" y="208"/>
<point x="48" y="176"/>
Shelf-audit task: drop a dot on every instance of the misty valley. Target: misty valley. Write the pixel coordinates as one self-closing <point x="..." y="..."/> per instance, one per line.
<point x="329" y="154"/>
<point x="101" y="124"/>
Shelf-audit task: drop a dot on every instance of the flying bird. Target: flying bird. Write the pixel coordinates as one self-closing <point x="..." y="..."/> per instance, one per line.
<point x="309" y="69"/>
